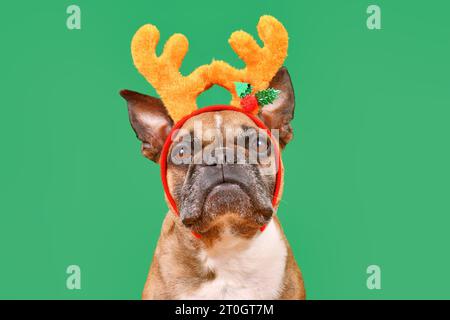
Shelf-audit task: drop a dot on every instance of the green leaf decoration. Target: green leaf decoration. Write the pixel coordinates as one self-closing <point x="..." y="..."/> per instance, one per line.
<point x="267" y="96"/>
<point x="243" y="89"/>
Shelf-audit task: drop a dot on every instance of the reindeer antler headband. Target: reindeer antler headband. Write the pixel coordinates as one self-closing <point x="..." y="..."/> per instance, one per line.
<point x="179" y="93"/>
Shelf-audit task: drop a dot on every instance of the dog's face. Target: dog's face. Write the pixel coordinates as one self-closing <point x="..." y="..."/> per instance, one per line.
<point x="221" y="168"/>
<point x="210" y="173"/>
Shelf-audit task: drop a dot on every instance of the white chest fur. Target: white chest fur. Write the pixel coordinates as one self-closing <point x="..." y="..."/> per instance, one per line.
<point x="245" y="269"/>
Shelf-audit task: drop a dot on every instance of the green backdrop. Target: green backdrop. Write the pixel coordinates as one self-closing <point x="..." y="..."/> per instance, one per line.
<point x="367" y="175"/>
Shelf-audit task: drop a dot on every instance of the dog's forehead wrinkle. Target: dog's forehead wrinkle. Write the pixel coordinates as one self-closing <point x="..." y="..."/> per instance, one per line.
<point x="187" y="136"/>
<point x="218" y="120"/>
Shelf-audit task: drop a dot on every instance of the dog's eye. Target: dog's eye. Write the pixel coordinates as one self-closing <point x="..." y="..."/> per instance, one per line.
<point x="181" y="153"/>
<point x="259" y="144"/>
<point x="263" y="147"/>
<point x="262" y="144"/>
<point x="184" y="152"/>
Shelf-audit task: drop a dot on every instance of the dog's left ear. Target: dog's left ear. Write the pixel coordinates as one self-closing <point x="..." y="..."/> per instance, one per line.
<point x="280" y="113"/>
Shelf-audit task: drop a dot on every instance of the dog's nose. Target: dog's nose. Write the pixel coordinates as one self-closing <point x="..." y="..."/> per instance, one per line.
<point x="189" y="221"/>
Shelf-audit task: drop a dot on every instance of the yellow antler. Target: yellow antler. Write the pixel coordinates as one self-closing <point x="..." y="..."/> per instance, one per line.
<point x="261" y="63"/>
<point x="179" y="93"/>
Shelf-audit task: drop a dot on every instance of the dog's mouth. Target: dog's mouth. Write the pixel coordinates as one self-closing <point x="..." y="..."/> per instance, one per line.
<point x="230" y="200"/>
<point x="212" y="193"/>
<point x="225" y="196"/>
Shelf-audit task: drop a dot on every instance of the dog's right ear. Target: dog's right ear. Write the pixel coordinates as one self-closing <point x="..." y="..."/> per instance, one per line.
<point x="150" y="122"/>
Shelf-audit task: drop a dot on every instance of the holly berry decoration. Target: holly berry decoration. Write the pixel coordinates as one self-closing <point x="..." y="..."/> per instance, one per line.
<point x="251" y="102"/>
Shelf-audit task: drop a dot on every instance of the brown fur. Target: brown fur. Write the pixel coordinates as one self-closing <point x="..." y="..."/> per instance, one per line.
<point x="176" y="268"/>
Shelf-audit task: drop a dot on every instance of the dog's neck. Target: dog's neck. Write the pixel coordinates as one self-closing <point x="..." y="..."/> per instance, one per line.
<point x="239" y="267"/>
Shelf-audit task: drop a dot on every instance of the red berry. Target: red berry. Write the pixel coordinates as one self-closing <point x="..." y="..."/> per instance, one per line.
<point x="249" y="103"/>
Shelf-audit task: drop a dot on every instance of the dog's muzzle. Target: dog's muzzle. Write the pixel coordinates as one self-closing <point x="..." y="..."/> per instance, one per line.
<point x="230" y="173"/>
<point x="232" y="187"/>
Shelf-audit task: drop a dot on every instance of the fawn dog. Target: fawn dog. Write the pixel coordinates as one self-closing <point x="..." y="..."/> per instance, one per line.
<point x="221" y="238"/>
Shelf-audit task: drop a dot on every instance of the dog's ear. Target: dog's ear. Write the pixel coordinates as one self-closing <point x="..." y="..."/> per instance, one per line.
<point x="150" y="122"/>
<point x="280" y="113"/>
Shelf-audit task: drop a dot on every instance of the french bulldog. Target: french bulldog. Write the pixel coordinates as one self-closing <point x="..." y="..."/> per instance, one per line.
<point x="225" y="203"/>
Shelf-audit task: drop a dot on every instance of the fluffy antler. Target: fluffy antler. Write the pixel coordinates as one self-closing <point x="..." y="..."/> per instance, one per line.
<point x="179" y="93"/>
<point x="261" y="63"/>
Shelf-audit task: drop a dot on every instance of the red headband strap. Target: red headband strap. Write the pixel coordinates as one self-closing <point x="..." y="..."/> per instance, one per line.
<point x="179" y="124"/>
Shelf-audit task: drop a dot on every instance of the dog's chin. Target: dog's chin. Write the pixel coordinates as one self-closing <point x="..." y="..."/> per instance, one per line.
<point x="224" y="197"/>
<point x="228" y="205"/>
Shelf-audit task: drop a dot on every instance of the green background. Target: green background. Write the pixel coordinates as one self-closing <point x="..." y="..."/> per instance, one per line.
<point x="367" y="175"/>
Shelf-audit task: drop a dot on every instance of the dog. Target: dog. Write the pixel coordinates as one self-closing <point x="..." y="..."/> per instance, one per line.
<point x="225" y="204"/>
